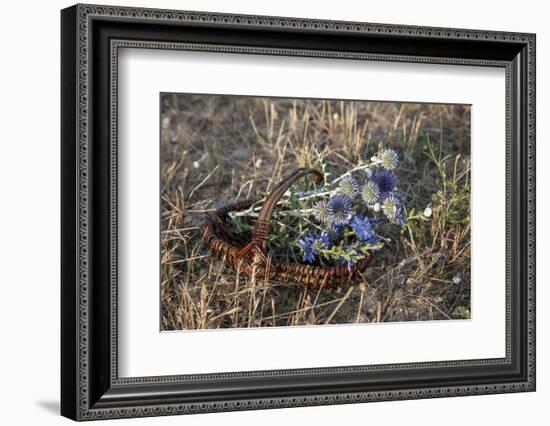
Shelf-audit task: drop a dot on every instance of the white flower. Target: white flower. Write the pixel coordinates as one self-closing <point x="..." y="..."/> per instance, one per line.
<point x="457" y="279"/>
<point x="320" y="211"/>
<point x="388" y="159"/>
<point x="258" y="163"/>
<point x="376" y="207"/>
<point x="349" y="187"/>
<point x="390" y="207"/>
<point x="196" y="164"/>
<point x="427" y="212"/>
<point x="370" y="193"/>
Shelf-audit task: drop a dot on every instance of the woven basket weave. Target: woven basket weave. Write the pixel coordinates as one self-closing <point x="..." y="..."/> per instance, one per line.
<point x="253" y="258"/>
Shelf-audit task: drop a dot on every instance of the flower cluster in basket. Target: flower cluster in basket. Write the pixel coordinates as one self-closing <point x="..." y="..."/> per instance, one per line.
<point x="347" y="215"/>
<point x="340" y="221"/>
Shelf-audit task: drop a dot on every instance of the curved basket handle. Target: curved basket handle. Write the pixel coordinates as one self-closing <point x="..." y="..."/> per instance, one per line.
<point x="262" y="226"/>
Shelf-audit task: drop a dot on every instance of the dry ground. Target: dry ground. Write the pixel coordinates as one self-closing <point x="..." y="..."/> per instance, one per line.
<point x="216" y="149"/>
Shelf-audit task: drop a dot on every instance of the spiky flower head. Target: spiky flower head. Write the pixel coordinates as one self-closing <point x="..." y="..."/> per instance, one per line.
<point x="320" y="211"/>
<point x="389" y="159"/>
<point x="339" y="209"/>
<point x="386" y="182"/>
<point x="370" y="193"/>
<point x="335" y="233"/>
<point x="391" y="207"/>
<point x="349" y="187"/>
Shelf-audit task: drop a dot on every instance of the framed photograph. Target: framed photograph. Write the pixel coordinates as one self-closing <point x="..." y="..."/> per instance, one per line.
<point x="263" y="212"/>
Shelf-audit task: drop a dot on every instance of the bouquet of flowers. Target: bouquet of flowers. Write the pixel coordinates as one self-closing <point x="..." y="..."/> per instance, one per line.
<point x="341" y="221"/>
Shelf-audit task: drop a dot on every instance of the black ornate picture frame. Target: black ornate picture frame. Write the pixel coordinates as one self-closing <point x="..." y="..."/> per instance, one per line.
<point x="91" y="36"/>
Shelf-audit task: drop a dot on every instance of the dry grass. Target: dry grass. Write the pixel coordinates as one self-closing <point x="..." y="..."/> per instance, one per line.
<point x="221" y="148"/>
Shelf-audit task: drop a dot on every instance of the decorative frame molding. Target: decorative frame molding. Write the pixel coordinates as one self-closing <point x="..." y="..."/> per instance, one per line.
<point x="91" y="388"/>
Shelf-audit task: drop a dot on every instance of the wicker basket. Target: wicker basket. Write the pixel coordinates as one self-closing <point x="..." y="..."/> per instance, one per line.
<point x="253" y="258"/>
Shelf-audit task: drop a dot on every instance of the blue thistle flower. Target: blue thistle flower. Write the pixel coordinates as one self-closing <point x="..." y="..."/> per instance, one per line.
<point x="349" y="187"/>
<point x="389" y="159"/>
<point x="363" y="228"/>
<point x="370" y="193"/>
<point x="320" y="211"/>
<point x="336" y="232"/>
<point x="339" y="209"/>
<point x="324" y="240"/>
<point x="386" y="182"/>
<point x="308" y="246"/>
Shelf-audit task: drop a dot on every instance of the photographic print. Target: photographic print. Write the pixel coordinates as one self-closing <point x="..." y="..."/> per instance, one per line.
<point x="298" y="212"/>
<point x="370" y="186"/>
